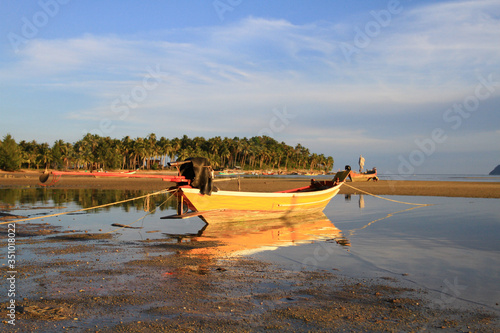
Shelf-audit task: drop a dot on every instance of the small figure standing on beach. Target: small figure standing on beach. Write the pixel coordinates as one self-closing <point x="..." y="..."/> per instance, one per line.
<point x="361" y="163"/>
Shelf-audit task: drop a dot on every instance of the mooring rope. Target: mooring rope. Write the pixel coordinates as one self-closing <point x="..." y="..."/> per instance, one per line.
<point x="377" y="196"/>
<point x="90" y="208"/>
<point x="352" y="231"/>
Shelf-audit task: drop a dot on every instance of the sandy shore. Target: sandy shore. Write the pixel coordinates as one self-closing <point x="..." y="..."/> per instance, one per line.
<point x="83" y="281"/>
<point x="89" y="283"/>
<point x="383" y="187"/>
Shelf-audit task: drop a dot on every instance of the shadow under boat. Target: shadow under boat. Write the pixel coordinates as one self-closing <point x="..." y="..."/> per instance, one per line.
<point x="241" y="238"/>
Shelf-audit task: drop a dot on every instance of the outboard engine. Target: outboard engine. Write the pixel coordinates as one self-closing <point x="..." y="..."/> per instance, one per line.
<point x="199" y="172"/>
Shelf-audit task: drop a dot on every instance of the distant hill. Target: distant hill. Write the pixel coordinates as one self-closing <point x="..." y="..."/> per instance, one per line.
<point x="495" y="171"/>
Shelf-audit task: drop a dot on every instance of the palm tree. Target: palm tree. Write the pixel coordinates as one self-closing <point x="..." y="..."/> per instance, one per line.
<point x="288" y="152"/>
<point x="225" y="153"/>
<point x="44" y="155"/>
<point x="61" y="153"/>
<point x="245" y="150"/>
<point x="151" y="149"/>
<point x="29" y="151"/>
<point x="138" y="153"/>
<point x="214" y="146"/>
<point x="176" y="147"/>
<point x="164" y="147"/>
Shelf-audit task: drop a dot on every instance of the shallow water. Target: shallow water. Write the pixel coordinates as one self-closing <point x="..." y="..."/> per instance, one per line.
<point x="450" y="247"/>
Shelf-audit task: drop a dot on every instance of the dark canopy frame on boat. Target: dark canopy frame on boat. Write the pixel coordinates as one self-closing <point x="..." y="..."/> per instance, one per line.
<point x="199" y="171"/>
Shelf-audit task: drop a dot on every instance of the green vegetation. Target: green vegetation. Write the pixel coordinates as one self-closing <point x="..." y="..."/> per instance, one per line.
<point x="95" y="152"/>
<point x="10" y="154"/>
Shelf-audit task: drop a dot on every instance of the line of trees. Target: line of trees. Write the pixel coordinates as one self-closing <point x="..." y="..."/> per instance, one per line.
<point x="96" y="152"/>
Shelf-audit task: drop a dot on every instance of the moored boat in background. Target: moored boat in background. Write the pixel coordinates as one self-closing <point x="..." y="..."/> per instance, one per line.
<point x="362" y="176"/>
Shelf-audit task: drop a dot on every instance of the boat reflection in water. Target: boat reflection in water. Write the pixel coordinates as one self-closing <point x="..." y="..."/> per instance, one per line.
<point x="244" y="238"/>
<point x="361" y="200"/>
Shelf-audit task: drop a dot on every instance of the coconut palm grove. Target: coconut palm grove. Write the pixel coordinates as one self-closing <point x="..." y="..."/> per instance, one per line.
<point x="150" y="153"/>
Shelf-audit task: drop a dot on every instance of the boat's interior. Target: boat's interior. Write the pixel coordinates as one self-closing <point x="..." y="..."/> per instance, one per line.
<point x="318" y="185"/>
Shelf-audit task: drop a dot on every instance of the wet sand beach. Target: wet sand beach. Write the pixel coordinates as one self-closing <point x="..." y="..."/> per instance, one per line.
<point x="264" y="184"/>
<point x="93" y="282"/>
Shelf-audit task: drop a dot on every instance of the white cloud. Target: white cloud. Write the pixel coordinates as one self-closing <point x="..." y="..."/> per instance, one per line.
<point x="431" y="45"/>
<point x="452" y="34"/>
<point x="428" y="57"/>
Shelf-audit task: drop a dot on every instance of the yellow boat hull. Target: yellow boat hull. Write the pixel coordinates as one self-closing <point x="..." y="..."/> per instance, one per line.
<point x="225" y="206"/>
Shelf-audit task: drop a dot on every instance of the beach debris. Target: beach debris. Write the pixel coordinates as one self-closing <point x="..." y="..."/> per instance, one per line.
<point x="45" y="313"/>
<point x="82" y="237"/>
<point x="340" y="240"/>
<point x="7" y="216"/>
<point x="124" y="226"/>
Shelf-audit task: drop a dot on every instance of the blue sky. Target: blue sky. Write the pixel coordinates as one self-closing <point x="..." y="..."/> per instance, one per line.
<point x="413" y="86"/>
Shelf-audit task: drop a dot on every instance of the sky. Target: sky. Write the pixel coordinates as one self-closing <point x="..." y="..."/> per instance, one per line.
<point x="413" y="86"/>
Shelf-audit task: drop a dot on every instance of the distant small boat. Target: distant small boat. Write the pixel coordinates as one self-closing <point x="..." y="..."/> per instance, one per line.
<point x="230" y="173"/>
<point x="364" y="176"/>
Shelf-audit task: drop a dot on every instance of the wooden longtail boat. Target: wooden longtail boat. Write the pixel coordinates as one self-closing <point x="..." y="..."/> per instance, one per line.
<point x="229" y="206"/>
<point x="364" y="176"/>
<point x="230" y="173"/>
<point x="56" y="175"/>
<point x="196" y="196"/>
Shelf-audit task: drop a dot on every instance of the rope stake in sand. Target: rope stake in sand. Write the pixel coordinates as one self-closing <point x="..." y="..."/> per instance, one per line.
<point x="90" y="208"/>
<point x="377" y="196"/>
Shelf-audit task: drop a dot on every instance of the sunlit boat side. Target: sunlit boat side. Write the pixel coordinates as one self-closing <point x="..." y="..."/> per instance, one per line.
<point x="225" y="206"/>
